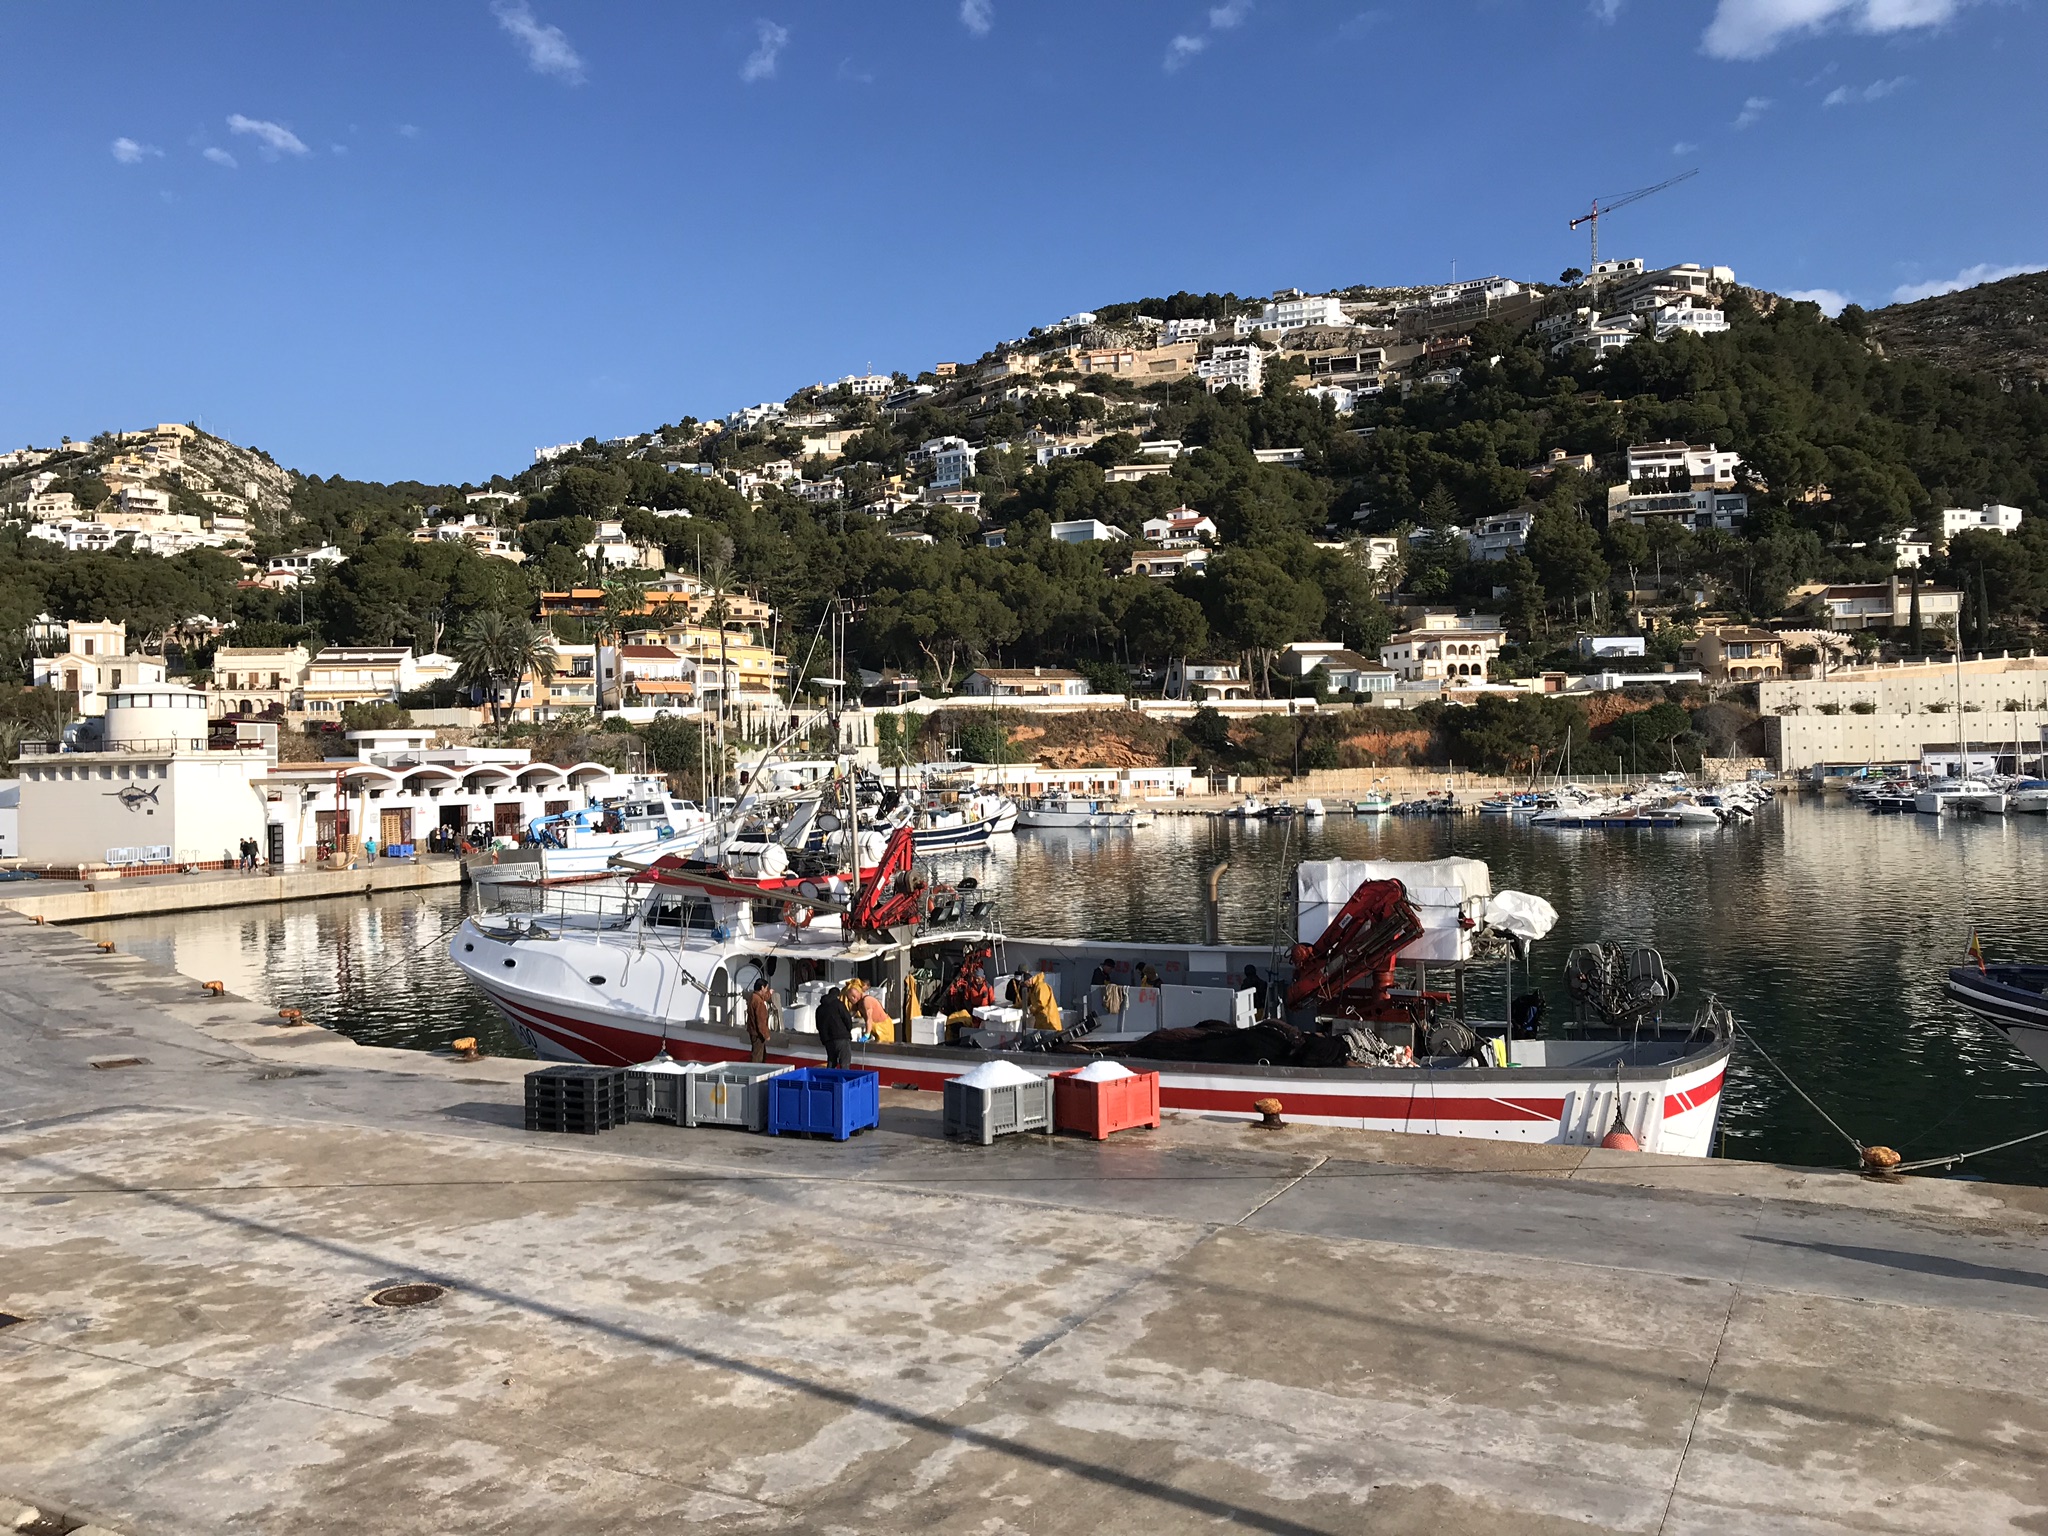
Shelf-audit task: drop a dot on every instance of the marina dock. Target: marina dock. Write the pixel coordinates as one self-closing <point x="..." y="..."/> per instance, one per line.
<point x="102" y="900"/>
<point x="1289" y="1331"/>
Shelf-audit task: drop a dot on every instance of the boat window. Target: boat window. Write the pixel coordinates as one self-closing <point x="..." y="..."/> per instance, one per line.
<point x="675" y="909"/>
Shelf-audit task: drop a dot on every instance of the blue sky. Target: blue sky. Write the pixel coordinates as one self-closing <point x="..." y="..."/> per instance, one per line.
<point x="417" y="239"/>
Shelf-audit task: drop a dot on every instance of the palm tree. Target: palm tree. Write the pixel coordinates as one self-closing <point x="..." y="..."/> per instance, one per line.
<point x="529" y="649"/>
<point x="482" y="650"/>
<point x="625" y="598"/>
<point x="498" y="650"/>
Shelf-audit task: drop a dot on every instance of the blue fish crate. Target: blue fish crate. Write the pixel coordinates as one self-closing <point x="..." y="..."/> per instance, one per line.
<point x="824" y="1101"/>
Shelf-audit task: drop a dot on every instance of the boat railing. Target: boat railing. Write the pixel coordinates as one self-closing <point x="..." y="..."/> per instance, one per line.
<point x="582" y="906"/>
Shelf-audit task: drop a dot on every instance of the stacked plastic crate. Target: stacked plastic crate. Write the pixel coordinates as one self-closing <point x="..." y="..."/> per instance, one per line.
<point x="578" y="1100"/>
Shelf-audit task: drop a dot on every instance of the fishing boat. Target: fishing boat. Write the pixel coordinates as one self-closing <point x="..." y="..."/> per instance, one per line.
<point x="2013" y="998"/>
<point x="1058" y="810"/>
<point x="1312" y="808"/>
<point x="973" y="822"/>
<point x="1368" y="1025"/>
<point x="1374" y="802"/>
<point x="1250" y="808"/>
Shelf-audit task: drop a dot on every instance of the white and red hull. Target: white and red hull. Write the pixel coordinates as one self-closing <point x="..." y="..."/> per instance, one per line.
<point x="1670" y="1108"/>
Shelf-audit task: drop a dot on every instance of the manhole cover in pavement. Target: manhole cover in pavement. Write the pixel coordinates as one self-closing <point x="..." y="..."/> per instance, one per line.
<point x="416" y="1295"/>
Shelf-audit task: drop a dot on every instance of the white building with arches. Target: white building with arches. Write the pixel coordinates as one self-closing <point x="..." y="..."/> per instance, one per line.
<point x="1445" y="646"/>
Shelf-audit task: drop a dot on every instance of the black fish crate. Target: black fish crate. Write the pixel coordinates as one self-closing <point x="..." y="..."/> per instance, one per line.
<point x="578" y="1100"/>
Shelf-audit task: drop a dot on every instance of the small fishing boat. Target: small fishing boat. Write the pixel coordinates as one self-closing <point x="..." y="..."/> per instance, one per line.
<point x="1312" y="807"/>
<point x="1058" y="810"/>
<point x="2014" y="998"/>
<point x="972" y="823"/>
<point x="1374" y="802"/>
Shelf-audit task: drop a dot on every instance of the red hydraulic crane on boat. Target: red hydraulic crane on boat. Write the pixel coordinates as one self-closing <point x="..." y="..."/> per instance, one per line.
<point x="881" y="905"/>
<point x="1352" y="963"/>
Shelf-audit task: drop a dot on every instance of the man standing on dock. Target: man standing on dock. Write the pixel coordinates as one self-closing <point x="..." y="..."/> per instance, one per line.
<point x="835" y="1028"/>
<point x="760" y="1017"/>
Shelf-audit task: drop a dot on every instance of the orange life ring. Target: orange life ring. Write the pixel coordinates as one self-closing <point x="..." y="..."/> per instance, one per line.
<point x="796" y="915"/>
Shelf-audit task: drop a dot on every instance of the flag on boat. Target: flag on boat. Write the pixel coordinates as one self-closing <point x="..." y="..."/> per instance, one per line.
<point x="1976" y="950"/>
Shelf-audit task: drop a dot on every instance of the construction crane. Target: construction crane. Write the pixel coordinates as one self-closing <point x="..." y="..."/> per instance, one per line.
<point x="1622" y="201"/>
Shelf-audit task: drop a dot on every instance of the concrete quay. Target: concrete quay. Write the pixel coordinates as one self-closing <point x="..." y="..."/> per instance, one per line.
<point x="1292" y="1332"/>
<point x="88" y="901"/>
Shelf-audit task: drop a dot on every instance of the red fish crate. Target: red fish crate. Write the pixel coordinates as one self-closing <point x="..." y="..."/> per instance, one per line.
<point x="1100" y="1110"/>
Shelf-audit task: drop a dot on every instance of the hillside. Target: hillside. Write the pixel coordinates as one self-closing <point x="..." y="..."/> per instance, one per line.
<point x="1998" y="329"/>
<point x="242" y="490"/>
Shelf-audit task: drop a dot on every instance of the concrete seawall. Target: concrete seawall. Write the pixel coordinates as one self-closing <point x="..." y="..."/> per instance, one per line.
<point x="1296" y="1331"/>
<point x="72" y="901"/>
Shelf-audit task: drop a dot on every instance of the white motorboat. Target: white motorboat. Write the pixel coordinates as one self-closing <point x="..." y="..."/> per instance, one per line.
<point x="2028" y="797"/>
<point x="1956" y="795"/>
<point x="578" y="847"/>
<point x="1374" y="802"/>
<point x="1061" y="811"/>
<point x="667" y="971"/>
<point x="1250" y="808"/>
<point x="1312" y="807"/>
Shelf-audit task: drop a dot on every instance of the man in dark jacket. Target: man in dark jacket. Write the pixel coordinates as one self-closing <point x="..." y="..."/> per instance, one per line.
<point x="835" y="1029"/>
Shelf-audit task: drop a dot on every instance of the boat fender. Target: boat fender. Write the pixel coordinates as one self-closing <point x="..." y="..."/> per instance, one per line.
<point x="1619" y="1137"/>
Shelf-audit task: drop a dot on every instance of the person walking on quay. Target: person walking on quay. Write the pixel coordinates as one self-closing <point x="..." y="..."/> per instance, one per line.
<point x="760" y="1017"/>
<point x="835" y="1027"/>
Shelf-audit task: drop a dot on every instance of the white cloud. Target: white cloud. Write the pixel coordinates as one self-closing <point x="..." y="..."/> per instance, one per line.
<point x="1604" y="10"/>
<point x="1749" y="29"/>
<point x="977" y="16"/>
<point x="1752" y="111"/>
<point x="1182" y="49"/>
<point x="219" y="157"/>
<point x="850" y="71"/>
<point x="128" y="152"/>
<point x="408" y="130"/>
<point x="272" y="139"/>
<point x="1969" y="277"/>
<point x="1230" y="14"/>
<point x="1830" y="301"/>
<point x="548" y="50"/>
<point x="1877" y="90"/>
<point x="337" y="149"/>
<point x="1683" y="148"/>
<point x="771" y="40"/>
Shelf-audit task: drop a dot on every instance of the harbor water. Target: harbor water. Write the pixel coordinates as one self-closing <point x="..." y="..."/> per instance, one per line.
<point x="1827" y="930"/>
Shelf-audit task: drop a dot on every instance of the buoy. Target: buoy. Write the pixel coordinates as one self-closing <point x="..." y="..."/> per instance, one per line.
<point x="1269" y="1114"/>
<point x="1880" y="1159"/>
<point x="1621" y="1139"/>
<point x="215" y="987"/>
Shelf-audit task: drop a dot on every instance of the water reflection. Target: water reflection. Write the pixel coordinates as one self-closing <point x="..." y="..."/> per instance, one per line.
<point x="1827" y="931"/>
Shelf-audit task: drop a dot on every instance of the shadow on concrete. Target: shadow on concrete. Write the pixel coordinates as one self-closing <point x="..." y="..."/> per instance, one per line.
<point x="488" y="1112"/>
<point x="1918" y="1263"/>
<point x="1197" y="1504"/>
